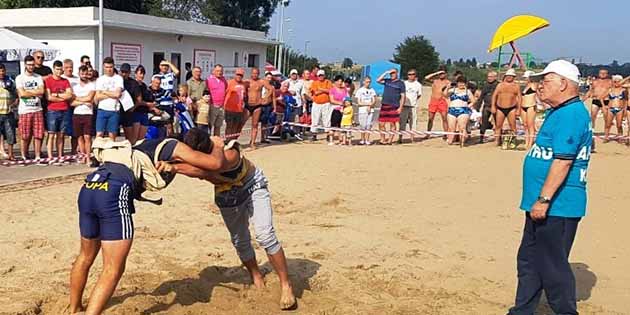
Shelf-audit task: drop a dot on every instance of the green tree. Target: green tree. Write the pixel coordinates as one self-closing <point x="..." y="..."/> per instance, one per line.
<point x="296" y="60"/>
<point x="247" y="14"/>
<point x="347" y="63"/>
<point x="417" y="52"/>
<point x="449" y="62"/>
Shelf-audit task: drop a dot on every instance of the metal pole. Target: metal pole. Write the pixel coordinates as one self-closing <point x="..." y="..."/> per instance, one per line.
<point x="277" y="46"/>
<point x="305" y="54"/>
<point x="281" y="39"/>
<point x="287" y="59"/>
<point x="100" y="35"/>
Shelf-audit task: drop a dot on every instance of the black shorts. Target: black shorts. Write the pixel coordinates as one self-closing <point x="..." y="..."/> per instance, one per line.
<point x="598" y="103"/>
<point x="233" y="117"/>
<point x="252" y="108"/>
<point x="335" y="119"/>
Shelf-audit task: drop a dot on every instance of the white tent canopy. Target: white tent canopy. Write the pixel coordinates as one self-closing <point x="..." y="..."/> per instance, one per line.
<point x="14" y="46"/>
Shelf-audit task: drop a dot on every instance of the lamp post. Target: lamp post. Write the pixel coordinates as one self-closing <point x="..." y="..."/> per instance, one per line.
<point x="305" y="53"/>
<point x="283" y="4"/>
<point x="100" y="35"/>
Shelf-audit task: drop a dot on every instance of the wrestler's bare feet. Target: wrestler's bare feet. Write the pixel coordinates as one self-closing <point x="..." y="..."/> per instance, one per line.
<point x="259" y="281"/>
<point x="287" y="299"/>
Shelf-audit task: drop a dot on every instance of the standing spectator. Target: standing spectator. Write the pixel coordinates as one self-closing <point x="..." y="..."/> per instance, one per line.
<point x="109" y="88"/>
<point x="167" y="74"/>
<point x="156" y="117"/>
<point x="554" y="194"/>
<point x="459" y="109"/>
<point x="68" y="74"/>
<point x="40" y="68"/>
<point x="201" y="107"/>
<point x="59" y="96"/>
<point x="188" y="67"/>
<point x="506" y="103"/>
<point x="296" y="86"/>
<point x="85" y="61"/>
<point x="484" y="103"/>
<point x="268" y="107"/>
<point x="8" y="100"/>
<point x="322" y="110"/>
<point x="409" y="113"/>
<point x="83" y="106"/>
<point x="217" y="86"/>
<point x="393" y="99"/>
<point x="141" y="112"/>
<point x="30" y="87"/>
<point x="366" y="97"/>
<point x="234" y="101"/>
<point x="133" y="88"/>
<point x="337" y="94"/>
<point x="349" y="84"/>
<point x="256" y="102"/>
<point x="314" y="73"/>
<point x="438" y="104"/>
<point x="307" y="97"/>
<point x="346" y="121"/>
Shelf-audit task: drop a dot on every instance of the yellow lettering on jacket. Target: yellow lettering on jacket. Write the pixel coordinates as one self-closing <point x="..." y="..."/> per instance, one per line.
<point x="97" y="186"/>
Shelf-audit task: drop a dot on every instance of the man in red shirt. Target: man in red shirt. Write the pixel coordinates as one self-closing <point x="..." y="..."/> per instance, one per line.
<point x="234" y="100"/>
<point x="59" y="96"/>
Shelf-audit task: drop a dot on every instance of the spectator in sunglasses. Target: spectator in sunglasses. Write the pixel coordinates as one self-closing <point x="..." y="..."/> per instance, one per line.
<point x="40" y="68"/>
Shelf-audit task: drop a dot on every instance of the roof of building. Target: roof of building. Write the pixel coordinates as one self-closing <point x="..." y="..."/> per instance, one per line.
<point x="88" y="16"/>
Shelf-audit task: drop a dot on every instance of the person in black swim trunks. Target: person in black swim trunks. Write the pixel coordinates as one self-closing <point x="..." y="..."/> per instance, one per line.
<point x="599" y="93"/>
<point x="256" y="102"/>
<point x="106" y="205"/>
<point x="506" y="103"/>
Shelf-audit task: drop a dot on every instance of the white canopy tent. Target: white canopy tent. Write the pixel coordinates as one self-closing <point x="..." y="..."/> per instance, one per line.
<point x="14" y="47"/>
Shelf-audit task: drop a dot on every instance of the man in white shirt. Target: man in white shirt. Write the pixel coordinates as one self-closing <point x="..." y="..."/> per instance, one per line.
<point x="84" y="91"/>
<point x="109" y="89"/>
<point x="409" y="113"/>
<point x="30" y="87"/>
<point x="366" y="98"/>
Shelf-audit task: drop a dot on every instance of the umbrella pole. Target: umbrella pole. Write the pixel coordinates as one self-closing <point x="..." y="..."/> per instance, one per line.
<point x="499" y="59"/>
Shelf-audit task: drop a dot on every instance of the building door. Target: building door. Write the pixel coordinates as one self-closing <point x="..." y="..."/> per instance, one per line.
<point x="176" y="60"/>
<point x="157" y="58"/>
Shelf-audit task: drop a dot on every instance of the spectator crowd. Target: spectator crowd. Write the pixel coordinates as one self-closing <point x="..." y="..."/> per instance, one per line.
<point x="44" y="106"/>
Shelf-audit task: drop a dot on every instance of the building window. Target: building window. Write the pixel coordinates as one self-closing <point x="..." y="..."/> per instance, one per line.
<point x="236" y="58"/>
<point x="253" y="61"/>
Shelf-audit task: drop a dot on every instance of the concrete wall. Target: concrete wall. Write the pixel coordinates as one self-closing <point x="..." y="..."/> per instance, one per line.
<point x="168" y="44"/>
<point x="77" y="41"/>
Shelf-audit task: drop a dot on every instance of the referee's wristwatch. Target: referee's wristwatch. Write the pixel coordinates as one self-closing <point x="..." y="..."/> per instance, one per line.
<point x="544" y="200"/>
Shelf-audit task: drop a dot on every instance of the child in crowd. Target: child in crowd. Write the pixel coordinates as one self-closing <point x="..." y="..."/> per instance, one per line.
<point x="346" y="121"/>
<point x="183" y="110"/>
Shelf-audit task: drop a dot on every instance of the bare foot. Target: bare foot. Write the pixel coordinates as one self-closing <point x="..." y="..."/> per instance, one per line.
<point x="259" y="281"/>
<point x="287" y="299"/>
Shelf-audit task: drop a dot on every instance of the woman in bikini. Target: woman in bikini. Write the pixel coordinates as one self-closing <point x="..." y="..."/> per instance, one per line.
<point x="460" y="100"/>
<point x="617" y="108"/>
<point x="528" y="106"/>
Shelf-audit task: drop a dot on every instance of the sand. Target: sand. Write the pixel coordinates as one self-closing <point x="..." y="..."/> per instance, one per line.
<point x="413" y="229"/>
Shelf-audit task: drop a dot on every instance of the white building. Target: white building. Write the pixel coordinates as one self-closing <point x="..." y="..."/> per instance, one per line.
<point x="139" y="39"/>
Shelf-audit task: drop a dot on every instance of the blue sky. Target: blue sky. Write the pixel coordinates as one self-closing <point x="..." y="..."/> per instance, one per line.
<point x="369" y="30"/>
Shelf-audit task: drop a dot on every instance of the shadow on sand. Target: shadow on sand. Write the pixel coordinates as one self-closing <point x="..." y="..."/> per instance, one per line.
<point x="585" y="281"/>
<point x="189" y="291"/>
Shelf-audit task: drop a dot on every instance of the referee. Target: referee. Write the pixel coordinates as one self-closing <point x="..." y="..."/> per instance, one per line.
<point x="554" y="194"/>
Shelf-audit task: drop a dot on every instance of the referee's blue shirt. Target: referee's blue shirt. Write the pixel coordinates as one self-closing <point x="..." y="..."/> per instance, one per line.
<point x="566" y="134"/>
